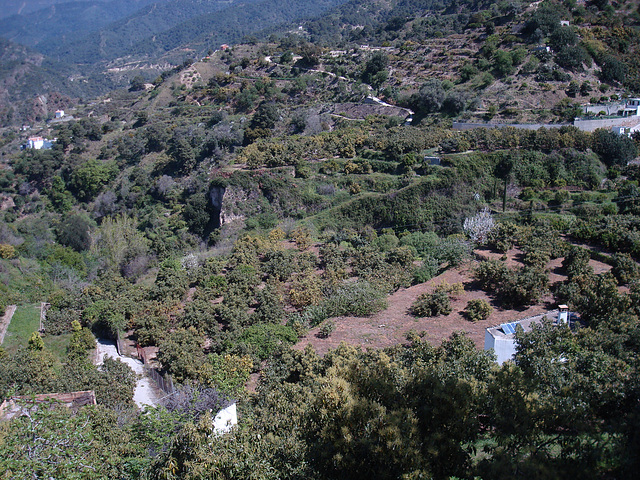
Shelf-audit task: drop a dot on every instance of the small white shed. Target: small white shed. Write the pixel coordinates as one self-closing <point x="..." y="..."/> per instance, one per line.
<point x="502" y="338"/>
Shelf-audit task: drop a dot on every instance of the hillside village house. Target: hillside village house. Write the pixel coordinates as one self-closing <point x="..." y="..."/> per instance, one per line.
<point x="622" y="109"/>
<point x="39" y="143"/>
<point x="502" y="339"/>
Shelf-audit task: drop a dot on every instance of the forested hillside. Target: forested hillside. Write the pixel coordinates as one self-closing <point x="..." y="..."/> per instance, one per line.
<point x="293" y="225"/>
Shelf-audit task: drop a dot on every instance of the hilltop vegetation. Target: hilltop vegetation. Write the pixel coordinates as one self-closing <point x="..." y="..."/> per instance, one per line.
<point x="230" y="210"/>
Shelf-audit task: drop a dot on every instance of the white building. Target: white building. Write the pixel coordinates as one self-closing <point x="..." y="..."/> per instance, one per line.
<point x="225" y="420"/>
<point x="628" y="108"/>
<point x="39" y="143"/>
<point x="59" y="113"/>
<point x="502" y="339"/>
<point x="626" y="130"/>
<point x="35" y="142"/>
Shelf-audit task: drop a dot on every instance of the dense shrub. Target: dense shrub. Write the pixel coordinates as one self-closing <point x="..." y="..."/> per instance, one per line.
<point x="503" y="237"/>
<point x="612" y="148"/>
<point x="514" y="287"/>
<point x="431" y="305"/>
<point x="536" y="258"/>
<point x="359" y="299"/>
<point x="265" y="339"/>
<point x="625" y="269"/>
<point x="426" y="271"/>
<point x="171" y="282"/>
<point x="327" y="328"/>
<point x="524" y="286"/>
<point x="478" y="309"/>
<point x="576" y="262"/>
<point x="58" y="322"/>
<point x="490" y="274"/>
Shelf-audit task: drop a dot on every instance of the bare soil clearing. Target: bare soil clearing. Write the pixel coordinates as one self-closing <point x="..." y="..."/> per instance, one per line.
<point x="390" y="327"/>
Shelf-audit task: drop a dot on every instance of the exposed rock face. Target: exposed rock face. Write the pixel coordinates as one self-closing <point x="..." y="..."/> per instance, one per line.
<point x="228" y="203"/>
<point x="217" y="195"/>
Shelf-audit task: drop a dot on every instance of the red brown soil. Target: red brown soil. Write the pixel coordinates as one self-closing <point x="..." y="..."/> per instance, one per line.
<point x="390" y="327"/>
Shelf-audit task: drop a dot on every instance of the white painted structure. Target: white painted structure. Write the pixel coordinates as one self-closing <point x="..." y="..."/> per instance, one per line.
<point x="225" y="420"/>
<point x="563" y="314"/>
<point x="628" y="108"/>
<point x="35" y="142"/>
<point x="59" y="113"/>
<point x="626" y="130"/>
<point x="502" y="339"/>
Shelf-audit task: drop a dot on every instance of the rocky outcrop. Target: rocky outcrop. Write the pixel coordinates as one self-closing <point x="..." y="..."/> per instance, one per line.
<point x="229" y="204"/>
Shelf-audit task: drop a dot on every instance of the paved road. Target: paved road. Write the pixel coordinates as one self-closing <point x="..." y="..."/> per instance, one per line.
<point x="145" y="393"/>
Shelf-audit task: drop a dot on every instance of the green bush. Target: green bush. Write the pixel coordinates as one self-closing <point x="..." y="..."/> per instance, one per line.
<point x="478" y="309"/>
<point x="490" y="274"/>
<point x="265" y="339"/>
<point x="58" y="322"/>
<point x="431" y="305"/>
<point x="625" y="269"/>
<point x="359" y="299"/>
<point x="327" y="328"/>
<point x="426" y="271"/>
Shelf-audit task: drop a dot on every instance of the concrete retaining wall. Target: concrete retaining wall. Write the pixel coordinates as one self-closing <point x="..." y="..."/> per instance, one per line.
<point x="591" y="125"/>
<point x="521" y="126"/>
<point x="584" y="125"/>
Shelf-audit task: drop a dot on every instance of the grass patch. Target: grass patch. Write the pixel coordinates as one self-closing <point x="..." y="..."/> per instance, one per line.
<point x="25" y="321"/>
<point x="22" y="280"/>
<point x="57" y="345"/>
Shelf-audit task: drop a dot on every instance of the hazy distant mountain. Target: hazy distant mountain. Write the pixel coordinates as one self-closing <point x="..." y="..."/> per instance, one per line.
<point x="72" y="19"/>
<point x="120" y="38"/>
<point x="13" y="7"/>
<point x="159" y="28"/>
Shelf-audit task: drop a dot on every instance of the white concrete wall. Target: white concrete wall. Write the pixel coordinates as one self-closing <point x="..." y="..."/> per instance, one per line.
<point x="504" y="348"/>
<point x="591" y="125"/>
<point x="225" y="420"/>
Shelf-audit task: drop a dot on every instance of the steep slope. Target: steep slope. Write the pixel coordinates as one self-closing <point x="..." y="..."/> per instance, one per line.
<point x="31" y="86"/>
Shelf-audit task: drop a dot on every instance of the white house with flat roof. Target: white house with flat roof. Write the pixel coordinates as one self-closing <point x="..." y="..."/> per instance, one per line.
<point x="502" y="339"/>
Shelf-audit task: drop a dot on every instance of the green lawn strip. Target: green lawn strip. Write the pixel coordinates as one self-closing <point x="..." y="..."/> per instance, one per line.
<point x="57" y="345"/>
<point x="25" y="321"/>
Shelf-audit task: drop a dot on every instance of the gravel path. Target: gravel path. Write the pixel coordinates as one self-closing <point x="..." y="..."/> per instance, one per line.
<point x="145" y="392"/>
<point x="6" y="320"/>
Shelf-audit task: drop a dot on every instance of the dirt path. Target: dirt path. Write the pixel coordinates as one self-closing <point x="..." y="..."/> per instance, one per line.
<point x="145" y="392"/>
<point x="6" y="320"/>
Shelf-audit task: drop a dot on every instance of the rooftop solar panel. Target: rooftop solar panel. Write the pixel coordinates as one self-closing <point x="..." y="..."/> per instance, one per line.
<point x="507" y="328"/>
